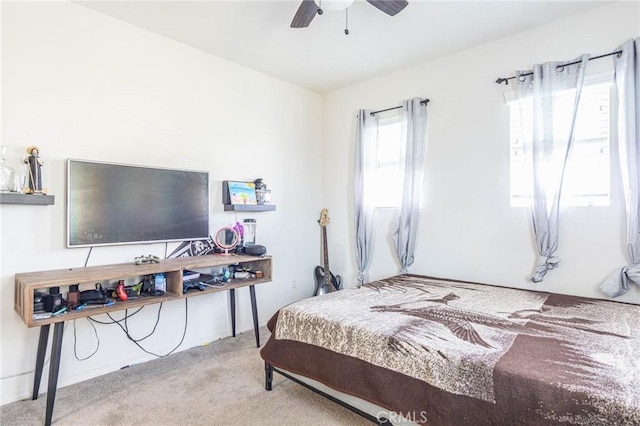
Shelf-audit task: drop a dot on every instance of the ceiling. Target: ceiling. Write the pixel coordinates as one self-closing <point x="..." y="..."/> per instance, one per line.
<point x="321" y="57"/>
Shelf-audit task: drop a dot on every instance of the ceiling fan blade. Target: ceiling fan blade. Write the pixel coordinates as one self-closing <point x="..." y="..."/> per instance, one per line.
<point x="390" y="7"/>
<point x="305" y="14"/>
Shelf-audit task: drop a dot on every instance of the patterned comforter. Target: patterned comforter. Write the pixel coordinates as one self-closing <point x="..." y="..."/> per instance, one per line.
<point x="448" y="352"/>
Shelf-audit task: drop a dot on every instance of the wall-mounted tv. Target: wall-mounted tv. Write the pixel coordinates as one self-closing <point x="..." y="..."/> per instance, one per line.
<point x="109" y="203"/>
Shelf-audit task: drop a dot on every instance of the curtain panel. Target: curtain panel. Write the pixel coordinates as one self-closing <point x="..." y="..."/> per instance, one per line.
<point x="365" y="163"/>
<point x="414" y="113"/>
<point x="547" y="148"/>
<point x="627" y="76"/>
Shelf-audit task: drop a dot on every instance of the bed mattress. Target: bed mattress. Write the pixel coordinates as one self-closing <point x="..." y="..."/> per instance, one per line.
<point x="448" y="352"/>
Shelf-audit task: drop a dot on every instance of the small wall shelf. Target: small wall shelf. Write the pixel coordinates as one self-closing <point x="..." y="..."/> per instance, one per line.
<point x="249" y="207"/>
<point x="228" y="207"/>
<point x="29" y="199"/>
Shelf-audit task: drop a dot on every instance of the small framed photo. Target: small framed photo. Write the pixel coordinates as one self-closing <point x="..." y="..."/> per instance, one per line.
<point x="242" y="193"/>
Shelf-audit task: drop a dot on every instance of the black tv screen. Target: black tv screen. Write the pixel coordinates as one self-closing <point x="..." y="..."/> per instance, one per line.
<point x="110" y="203"/>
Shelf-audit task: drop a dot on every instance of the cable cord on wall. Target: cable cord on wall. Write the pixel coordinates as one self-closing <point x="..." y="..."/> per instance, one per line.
<point x="88" y="255"/>
<point x="24" y="373"/>
<point x="75" y="340"/>
<point x="125" y="328"/>
<point x="115" y="321"/>
<point x="95" y="332"/>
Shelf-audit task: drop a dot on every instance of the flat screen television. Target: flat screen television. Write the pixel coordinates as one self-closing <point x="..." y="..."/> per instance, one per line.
<point x="109" y="204"/>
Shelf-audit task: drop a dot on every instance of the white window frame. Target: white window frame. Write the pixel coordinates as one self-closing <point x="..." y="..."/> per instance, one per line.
<point x="520" y="173"/>
<point x="384" y="187"/>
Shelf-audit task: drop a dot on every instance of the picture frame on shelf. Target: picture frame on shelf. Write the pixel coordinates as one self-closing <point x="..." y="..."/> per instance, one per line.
<point x="242" y="193"/>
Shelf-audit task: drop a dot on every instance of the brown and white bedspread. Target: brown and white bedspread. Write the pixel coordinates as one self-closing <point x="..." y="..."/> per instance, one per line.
<point x="448" y="352"/>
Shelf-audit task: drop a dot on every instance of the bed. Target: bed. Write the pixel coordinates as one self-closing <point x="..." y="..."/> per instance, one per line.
<point x="443" y="352"/>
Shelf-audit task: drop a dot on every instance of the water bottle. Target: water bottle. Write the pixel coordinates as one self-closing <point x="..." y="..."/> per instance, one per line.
<point x="249" y="227"/>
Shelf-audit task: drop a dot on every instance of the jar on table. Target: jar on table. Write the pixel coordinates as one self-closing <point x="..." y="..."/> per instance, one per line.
<point x="249" y="227"/>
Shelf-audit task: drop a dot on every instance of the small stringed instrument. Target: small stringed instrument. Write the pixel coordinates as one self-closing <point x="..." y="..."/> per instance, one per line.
<point x="326" y="282"/>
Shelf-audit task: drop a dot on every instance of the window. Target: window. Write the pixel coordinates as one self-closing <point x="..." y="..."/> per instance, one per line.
<point x="587" y="173"/>
<point x="385" y="185"/>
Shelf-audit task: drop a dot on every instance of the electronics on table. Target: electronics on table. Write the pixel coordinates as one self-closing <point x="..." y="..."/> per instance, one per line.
<point x="54" y="303"/>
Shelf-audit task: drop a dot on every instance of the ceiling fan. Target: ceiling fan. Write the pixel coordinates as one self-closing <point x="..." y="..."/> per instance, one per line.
<point x="309" y="9"/>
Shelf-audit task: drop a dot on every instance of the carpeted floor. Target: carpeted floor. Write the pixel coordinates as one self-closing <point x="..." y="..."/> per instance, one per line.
<point x="218" y="384"/>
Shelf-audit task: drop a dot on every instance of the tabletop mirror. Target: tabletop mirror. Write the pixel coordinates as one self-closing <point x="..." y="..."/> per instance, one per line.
<point x="227" y="239"/>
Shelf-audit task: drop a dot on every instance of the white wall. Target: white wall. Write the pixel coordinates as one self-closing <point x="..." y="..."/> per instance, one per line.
<point x="82" y="85"/>
<point x="467" y="229"/>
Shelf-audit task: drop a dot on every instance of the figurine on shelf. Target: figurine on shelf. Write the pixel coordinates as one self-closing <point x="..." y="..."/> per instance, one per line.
<point x="7" y="175"/>
<point x="261" y="189"/>
<point x="35" y="163"/>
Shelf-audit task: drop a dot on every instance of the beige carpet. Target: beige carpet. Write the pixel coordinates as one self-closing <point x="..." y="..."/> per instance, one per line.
<point x="218" y="384"/>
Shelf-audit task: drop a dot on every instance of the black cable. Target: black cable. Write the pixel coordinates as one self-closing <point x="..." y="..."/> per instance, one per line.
<point x="112" y="320"/>
<point x="126" y="327"/>
<point x="346" y="21"/>
<point x="75" y="341"/>
<point x="126" y="332"/>
<point x="184" y="333"/>
<point x="88" y="254"/>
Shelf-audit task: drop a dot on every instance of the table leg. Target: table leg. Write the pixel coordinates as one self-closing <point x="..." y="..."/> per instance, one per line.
<point x="54" y="367"/>
<point x="232" y="297"/>
<point x="42" y="350"/>
<point x="254" y="312"/>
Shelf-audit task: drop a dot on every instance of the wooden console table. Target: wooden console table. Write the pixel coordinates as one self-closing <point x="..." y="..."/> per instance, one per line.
<point x="27" y="283"/>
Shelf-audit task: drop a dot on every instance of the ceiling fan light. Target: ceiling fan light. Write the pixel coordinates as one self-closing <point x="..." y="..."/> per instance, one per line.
<point x="333" y="5"/>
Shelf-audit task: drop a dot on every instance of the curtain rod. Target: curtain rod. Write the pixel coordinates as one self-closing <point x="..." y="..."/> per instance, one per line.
<point x="423" y="102"/>
<point x="506" y="80"/>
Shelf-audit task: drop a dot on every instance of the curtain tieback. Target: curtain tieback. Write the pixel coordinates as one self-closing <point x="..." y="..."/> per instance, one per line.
<point x="545" y="264"/>
<point x="360" y="278"/>
<point x="619" y="282"/>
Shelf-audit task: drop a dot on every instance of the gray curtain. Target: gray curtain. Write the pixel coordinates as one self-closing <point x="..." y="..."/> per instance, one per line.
<point x="548" y="149"/>
<point x="627" y="68"/>
<point x="415" y="116"/>
<point x="366" y="134"/>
